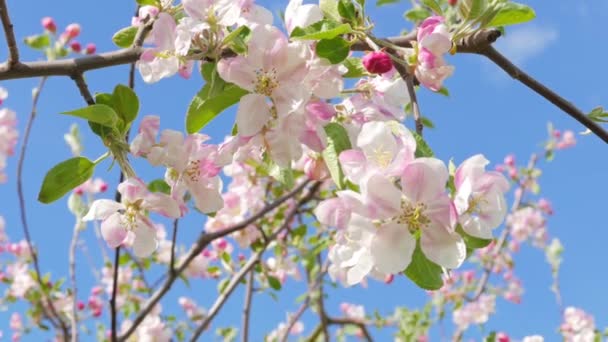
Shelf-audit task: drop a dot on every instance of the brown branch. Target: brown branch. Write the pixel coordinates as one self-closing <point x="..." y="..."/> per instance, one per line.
<point x="351" y="321"/>
<point x="203" y="241"/>
<point x="173" y="241"/>
<point x="83" y="88"/>
<point x="247" y="307"/>
<point x="253" y="259"/>
<point x="408" y="78"/>
<point x="13" y="57"/>
<point x="113" y="311"/>
<point x="54" y="317"/>
<point x="72" y="263"/>
<point x="543" y="91"/>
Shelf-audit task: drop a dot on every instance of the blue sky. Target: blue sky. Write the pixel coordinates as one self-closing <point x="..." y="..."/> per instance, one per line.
<point x="486" y="113"/>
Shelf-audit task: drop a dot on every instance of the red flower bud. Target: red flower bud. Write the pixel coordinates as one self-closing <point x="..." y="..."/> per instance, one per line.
<point x="49" y="24"/>
<point x="452" y="2"/>
<point x="72" y="31"/>
<point x="75" y="46"/>
<point x="377" y="62"/>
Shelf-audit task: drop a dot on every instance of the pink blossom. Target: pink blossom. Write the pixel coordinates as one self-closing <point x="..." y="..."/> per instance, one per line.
<point x="434" y="41"/>
<point x="119" y="220"/>
<point x="75" y="46"/>
<point x="8" y="138"/>
<point x="72" y="31"/>
<point x="577" y="326"/>
<point x="528" y="224"/>
<point x="477" y="312"/>
<point x="568" y="140"/>
<point x="90" y="49"/>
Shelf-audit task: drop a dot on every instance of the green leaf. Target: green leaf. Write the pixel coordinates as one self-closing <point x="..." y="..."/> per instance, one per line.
<point x="424" y="272"/>
<point x="126" y="103"/>
<point x="100" y="130"/>
<point x="471" y="9"/>
<point x="148" y="2"/>
<point x="426" y="122"/>
<point x="274" y="283"/>
<point x="323" y="29"/>
<point x="207" y="70"/>
<point x="237" y="39"/>
<point x="203" y="109"/>
<point x="335" y="50"/>
<point x="38" y="42"/>
<point x="283" y="175"/>
<point x="422" y="148"/>
<point x="491" y="337"/>
<point x="98" y="113"/>
<point x="159" y="185"/>
<point x="434" y="5"/>
<point x="598" y="114"/>
<point x="347" y="10"/>
<point x="417" y="14"/>
<point x="512" y="13"/>
<point x="64" y="177"/>
<point x="124" y="37"/>
<point x="472" y="242"/>
<point x="385" y="2"/>
<point x="444" y="91"/>
<point x="330" y="9"/>
<point x="355" y="68"/>
<point x="337" y="141"/>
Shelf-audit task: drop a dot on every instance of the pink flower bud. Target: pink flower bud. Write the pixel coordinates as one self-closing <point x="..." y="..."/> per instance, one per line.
<point x="315" y="169"/>
<point x="75" y="46"/>
<point x="389" y="278"/>
<point x="510" y="160"/>
<point x="90" y="49"/>
<point x="80" y="305"/>
<point x="49" y="24"/>
<point x="513" y="173"/>
<point x="96" y="313"/>
<point x="103" y="187"/>
<point x="377" y="62"/>
<point x="72" y="31"/>
<point x="502" y="337"/>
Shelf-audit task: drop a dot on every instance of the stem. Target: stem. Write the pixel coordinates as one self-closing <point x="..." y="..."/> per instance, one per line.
<point x="247" y="306"/>
<point x="72" y="258"/>
<point x="113" y="312"/>
<point x="13" y="57"/>
<point x="54" y="317"/>
<point x="173" y="240"/>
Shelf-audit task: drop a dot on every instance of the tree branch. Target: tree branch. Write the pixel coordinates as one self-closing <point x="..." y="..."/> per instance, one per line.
<point x="13" y="57"/>
<point x="247" y="307"/>
<point x="54" y="317"/>
<point x="113" y="312"/>
<point x="83" y="88"/>
<point x="72" y="261"/>
<point x="173" y="241"/>
<point x="203" y="241"/>
<point x="253" y="259"/>
<point x="543" y="91"/>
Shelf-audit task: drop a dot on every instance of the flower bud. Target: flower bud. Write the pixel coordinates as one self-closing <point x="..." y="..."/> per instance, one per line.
<point x="72" y="31"/>
<point x="452" y="2"/>
<point x="75" y="46"/>
<point x="377" y="62"/>
<point x="49" y="24"/>
<point x="90" y="49"/>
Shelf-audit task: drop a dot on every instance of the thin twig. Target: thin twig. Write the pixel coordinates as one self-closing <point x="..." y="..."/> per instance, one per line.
<point x="253" y="259"/>
<point x="543" y="91"/>
<point x="113" y="311"/>
<point x="408" y="78"/>
<point x="247" y="307"/>
<point x="83" y="88"/>
<point x="173" y="241"/>
<point x="72" y="261"/>
<point x="13" y="57"/>
<point x="26" y="232"/>
<point x="203" y="241"/>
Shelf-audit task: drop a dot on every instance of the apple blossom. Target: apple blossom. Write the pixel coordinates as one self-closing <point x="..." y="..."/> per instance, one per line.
<point x="119" y="220"/>
<point x="476" y="312"/>
<point x="8" y="138"/>
<point x="377" y="62"/>
<point x="577" y="326"/>
<point x="299" y="15"/>
<point x="434" y="41"/>
<point x="479" y="199"/>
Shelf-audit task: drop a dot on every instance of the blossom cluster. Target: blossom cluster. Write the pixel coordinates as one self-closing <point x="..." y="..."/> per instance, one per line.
<point x="8" y="134"/>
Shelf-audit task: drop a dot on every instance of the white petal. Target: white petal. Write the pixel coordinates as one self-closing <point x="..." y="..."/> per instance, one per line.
<point x="253" y="113"/>
<point x="441" y="247"/>
<point x="162" y="204"/>
<point x="102" y="209"/>
<point x="145" y="242"/>
<point x="392" y="248"/>
<point x="356" y="273"/>
<point x="113" y="230"/>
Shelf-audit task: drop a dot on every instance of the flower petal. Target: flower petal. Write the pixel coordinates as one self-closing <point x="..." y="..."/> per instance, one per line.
<point x="145" y="242"/>
<point x="441" y="247"/>
<point x="253" y="113"/>
<point x="392" y="248"/>
<point x="101" y="209"/>
<point x="113" y="230"/>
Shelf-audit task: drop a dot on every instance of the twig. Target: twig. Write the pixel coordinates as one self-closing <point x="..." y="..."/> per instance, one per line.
<point x="113" y="312"/>
<point x="408" y="78"/>
<point x="26" y="232"/>
<point x="203" y="241"/>
<point x="173" y="241"/>
<point x="83" y="88"/>
<point x="13" y="57"/>
<point x="543" y="91"/>
<point x="72" y="258"/>
<point x="350" y="321"/>
<point x="253" y="259"/>
<point x="247" y="307"/>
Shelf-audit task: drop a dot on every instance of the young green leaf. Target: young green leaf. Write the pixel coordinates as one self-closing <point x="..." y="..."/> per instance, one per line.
<point x="355" y="68"/>
<point x="424" y="272"/>
<point x="64" y="177"/>
<point x="335" y="50"/>
<point x="512" y="13"/>
<point x="422" y="148"/>
<point x="126" y="103"/>
<point x="203" y="108"/>
<point x="98" y="113"/>
<point x="124" y="37"/>
<point x="324" y="29"/>
<point x="337" y="141"/>
<point x="38" y="42"/>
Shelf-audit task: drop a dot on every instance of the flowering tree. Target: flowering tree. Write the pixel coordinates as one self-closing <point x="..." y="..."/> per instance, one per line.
<point x="321" y="179"/>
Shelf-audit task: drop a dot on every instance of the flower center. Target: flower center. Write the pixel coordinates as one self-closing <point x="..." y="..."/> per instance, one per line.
<point x="413" y="216"/>
<point x="266" y="81"/>
<point x="475" y="205"/>
<point x="130" y="214"/>
<point x="193" y="170"/>
<point x="382" y="157"/>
